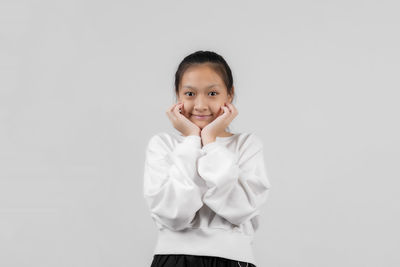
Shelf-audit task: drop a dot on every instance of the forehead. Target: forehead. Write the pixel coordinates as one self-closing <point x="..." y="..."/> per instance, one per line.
<point x="201" y="76"/>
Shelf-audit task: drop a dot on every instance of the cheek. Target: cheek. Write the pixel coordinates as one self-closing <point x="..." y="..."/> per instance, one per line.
<point x="218" y="111"/>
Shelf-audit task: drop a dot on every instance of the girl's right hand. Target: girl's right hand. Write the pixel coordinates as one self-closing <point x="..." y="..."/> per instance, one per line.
<point x="180" y="122"/>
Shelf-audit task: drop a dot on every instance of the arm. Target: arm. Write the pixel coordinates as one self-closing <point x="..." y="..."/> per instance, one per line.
<point x="169" y="187"/>
<point x="237" y="184"/>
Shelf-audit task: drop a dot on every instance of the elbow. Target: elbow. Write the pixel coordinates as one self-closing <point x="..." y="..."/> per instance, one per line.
<point x="240" y="219"/>
<point x="174" y="216"/>
<point x="174" y="224"/>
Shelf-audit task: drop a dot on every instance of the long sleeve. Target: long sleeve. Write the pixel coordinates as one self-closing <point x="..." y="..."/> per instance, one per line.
<point x="237" y="181"/>
<point x="170" y="187"/>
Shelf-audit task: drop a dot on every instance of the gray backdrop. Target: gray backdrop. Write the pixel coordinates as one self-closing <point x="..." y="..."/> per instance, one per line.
<point x="85" y="84"/>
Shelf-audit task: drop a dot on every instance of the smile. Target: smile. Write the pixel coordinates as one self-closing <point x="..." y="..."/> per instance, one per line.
<point x="201" y="117"/>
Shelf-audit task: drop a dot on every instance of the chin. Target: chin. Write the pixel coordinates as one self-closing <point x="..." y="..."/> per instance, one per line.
<point x="201" y="125"/>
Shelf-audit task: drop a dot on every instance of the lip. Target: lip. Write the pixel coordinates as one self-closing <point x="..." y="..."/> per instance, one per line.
<point x="201" y="117"/>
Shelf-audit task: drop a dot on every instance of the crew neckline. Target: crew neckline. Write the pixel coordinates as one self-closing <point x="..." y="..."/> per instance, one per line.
<point x="218" y="137"/>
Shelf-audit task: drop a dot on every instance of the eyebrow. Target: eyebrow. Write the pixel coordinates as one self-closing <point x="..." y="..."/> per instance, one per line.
<point x="191" y="87"/>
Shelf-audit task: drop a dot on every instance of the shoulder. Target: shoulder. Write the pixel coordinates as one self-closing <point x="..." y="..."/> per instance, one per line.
<point x="248" y="146"/>
<point x="163" y="138"/>
<point x="249" y="141"/>
<point x="160" y="137"/>
<point x="161" y="143"/>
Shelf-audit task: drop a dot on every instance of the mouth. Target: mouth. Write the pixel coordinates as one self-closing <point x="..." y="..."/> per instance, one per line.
<point x="201" y="117"/>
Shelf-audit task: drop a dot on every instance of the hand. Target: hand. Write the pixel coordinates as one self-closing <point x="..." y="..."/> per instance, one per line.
<point x="218" y="126"/>
<point x="180" y="122"/>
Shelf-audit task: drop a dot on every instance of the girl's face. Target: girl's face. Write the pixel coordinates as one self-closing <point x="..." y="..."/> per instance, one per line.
<point x="202" y="92"/>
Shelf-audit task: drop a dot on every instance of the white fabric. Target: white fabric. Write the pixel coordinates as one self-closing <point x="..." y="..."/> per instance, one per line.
<point x="205" y="200"/>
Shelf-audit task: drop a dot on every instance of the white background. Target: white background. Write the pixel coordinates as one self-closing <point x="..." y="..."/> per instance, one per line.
<point x="85" y="84"/>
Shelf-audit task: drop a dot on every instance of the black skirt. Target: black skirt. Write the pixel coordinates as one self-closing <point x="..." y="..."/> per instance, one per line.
<point x="183" y="260"/>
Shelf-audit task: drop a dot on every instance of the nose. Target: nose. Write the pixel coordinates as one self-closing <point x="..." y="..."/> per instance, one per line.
<point x="200" y="104"/>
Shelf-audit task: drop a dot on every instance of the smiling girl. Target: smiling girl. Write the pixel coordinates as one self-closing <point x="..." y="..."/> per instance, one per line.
<point x="204" y="186"/>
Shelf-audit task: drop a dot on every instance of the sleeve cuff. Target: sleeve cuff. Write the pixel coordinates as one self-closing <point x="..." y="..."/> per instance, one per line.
<point x="210" y="146"/>
<point x="193" y="140"/>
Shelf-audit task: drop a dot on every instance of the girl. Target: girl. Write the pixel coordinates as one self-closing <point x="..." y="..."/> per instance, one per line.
<point x="204" y="186"/>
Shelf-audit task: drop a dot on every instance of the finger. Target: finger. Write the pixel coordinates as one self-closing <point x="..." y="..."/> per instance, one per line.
<point x="220" y="112"/>
<point x="176" y="109"/>
<point x="232" y="108"/>
<point x="170" y="108"/>
<point x="230" y="113"/>
<point x="226" y="110"/>
<point x="171" y="114"/>
<point x="226" y="105"/>
<point x="174" y="106"/>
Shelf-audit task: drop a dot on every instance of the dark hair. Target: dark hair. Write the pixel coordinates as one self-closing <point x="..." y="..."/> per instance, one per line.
<point x="215" y="61"/>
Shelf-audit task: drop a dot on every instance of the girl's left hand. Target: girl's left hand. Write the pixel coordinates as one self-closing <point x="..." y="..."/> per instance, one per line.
<point x="218" y="126"/>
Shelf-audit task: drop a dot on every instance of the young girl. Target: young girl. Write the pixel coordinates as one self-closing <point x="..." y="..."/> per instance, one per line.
<point x="204" y="186"/>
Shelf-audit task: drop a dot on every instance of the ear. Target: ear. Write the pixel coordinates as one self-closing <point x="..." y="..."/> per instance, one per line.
<point x="230" y="97"/>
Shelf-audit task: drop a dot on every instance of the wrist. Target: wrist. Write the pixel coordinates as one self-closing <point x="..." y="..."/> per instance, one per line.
<point x="193" y="133"/>
<point x="207" y="139"/>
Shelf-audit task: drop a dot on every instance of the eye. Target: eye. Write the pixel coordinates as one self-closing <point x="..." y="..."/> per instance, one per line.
<point x="188" y="92"/>
<point x="192" y="93"/>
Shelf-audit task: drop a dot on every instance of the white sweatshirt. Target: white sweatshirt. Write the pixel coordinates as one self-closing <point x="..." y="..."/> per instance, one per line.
<point x="205" y="200"/>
